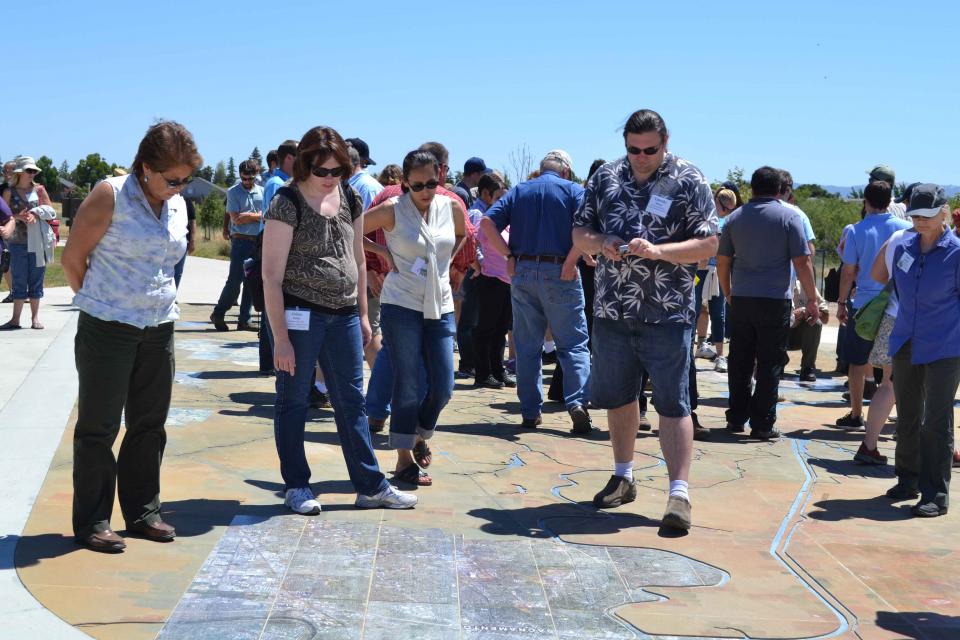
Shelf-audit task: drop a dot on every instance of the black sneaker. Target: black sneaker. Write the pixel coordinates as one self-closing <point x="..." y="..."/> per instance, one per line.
<point x="900" y="492"/>
<point x="619" y="491"/>
<point x="219" y="322"/>
<point x="807" y="375"/>
<point x="700" y="433"/>
<point x="531" y="423"/>
<point x="463" y="374"/>
<point x="489" y="383"/>
<point x="850" y="421"/>
<point x="645" y="424"/>
<point x="9" y="298"/>
<point x="318" y="399"/>
<point x="735" y="428"/>
<point x="928" y="510"/>
<point x="582" y="425"/>
<point x="765" y="434"/>
<point x="509" y="380"/>
<point x="549" y="358"/>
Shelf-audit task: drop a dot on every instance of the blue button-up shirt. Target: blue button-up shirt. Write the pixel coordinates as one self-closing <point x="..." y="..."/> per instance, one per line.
<point x="277" y="180"/>
<point x="928" y="287"/>
<point x="239" y="200"/>
<point x="539" y="213"/>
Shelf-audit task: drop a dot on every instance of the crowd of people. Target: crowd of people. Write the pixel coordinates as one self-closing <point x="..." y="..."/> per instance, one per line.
<point x="619" y="280"/>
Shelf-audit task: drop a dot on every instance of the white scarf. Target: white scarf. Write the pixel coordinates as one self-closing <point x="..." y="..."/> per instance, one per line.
<point x="433" y="294"/>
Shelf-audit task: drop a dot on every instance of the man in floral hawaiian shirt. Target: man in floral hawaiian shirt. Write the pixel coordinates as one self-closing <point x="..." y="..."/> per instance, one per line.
<point x="651" y="216"/>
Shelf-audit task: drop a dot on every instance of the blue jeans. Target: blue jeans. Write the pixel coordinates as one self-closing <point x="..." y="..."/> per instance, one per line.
<point x="380" y="386"/>
<point x="414" y="342"/>
<point x="240" y="250"/>
<point x="540" y="299"/>
<point x="335" y="341"/>
<point x="716" y="308"/>
<point x="27" y="277"/>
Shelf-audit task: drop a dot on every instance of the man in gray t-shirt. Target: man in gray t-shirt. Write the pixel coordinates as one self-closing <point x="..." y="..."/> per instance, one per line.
<point x="759" y="243"/>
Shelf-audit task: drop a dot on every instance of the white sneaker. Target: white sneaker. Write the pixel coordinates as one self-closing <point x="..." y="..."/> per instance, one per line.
<point x="706" y="351"/>
<point x="389" y="498"/>
<point x="302" y="501"/>
<point x="720" y="364"/>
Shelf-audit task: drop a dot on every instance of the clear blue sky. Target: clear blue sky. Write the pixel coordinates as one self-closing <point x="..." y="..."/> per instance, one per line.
<point x="825" y="89"/>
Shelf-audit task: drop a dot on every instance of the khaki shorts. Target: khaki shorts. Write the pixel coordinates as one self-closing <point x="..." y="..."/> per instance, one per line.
<point x="881" y="344"/>
<point x="373" y="313"/>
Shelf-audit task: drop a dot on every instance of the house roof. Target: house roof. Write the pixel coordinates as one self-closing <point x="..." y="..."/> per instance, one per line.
<point x="200" y="188"/>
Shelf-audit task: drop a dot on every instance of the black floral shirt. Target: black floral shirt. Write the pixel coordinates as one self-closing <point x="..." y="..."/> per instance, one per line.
<point x="674" y="205"/>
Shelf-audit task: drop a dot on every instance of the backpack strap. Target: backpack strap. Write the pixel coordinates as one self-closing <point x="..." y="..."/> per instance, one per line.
<point x="290" y="194"/>
<point x="353" y="199"/>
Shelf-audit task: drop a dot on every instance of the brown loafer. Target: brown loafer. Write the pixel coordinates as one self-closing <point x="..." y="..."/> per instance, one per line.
<point x="158" y="530"/>
<point x="104" y="542"/>
<point x="677" y="515"/>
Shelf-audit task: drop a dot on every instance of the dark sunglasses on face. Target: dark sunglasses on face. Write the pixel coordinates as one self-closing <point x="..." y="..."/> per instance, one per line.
<point x="322" y="172"/>
<point x="420" y="186"/>
<point x="176" y="184"/>
<point x="246" y="178"/>
<point x="32" y="172"/>
<point x="649" y="151"/>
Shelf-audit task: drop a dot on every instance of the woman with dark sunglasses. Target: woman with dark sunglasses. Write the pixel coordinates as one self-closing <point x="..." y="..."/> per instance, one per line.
<point x="422" y="229"/>
<point x="124" y="244"/>
<point x="313" y="267"/>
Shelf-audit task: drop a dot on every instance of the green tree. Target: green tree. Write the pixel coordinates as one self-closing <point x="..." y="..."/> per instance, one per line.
<point x="64" y="171"/>
<point x="220" y="174"/>
<point x="210" y="215"/>
<point x="735" y="176"/>
<point x="256" y="157"/>
<point x="206" y="173"/>
<point x="91" y="170"/>
<point x="855" y="193"/>
<point x="231" y="172"/>
<point x="828" y="217"/>
<point x="812" y="191"/>
<point x="48" y="176"/>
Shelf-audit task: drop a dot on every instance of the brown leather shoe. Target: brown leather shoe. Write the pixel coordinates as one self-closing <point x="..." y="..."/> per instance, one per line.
<point x="104" y="542"/>
<point x="158" y="530"/>
<point x="677" y="515"/>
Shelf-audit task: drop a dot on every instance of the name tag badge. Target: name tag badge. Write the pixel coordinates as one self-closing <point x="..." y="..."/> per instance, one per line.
<point x="905" y="262"/>
<point x="297" y="319"/>
<point x="419" y="267"/>
<point x="659" y="206"/>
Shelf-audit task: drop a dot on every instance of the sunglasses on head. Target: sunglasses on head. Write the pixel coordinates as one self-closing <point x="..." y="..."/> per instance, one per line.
<point x="322" y="172"/>
<point x="649" y="151"/>
<point x="176" y="184"/>
<point x="420" y="186"/>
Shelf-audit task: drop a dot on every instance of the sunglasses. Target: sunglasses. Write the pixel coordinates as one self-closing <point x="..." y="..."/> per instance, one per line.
<point x="247" y="178"/>
<point x="649" y="151"/>
<point x="176" y="184"/>
<point x="420" y="186"/>
<point x="32" y="172"/>
<point x="322" y="172"/>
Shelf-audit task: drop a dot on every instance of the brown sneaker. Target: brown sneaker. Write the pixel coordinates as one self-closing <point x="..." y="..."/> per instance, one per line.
<point x="868" y="456"/>
<point x="677" y="515"/>
<point x="619" y="491"/>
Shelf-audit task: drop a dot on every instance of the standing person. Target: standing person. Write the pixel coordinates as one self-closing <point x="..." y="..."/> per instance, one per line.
<point x="313" y="270"/>
<point x="365" y="184"/>
<point x="32" y="242"/>
<point x="271" y="167"/>
<point x="191" y="238"/>
<point x="659" y="206"/>
<point x="725" y="201"/>
<point x="127" y="238"/>
<point x="762" y="244"/>
<point x="883" y="173"/>
<point x="925" y="345"/>
<point x="860" y="249"/>
<point x="492" y="288"/>
<point x="392" y="174"/>
<point x="545" y="284"/>
<point x="473" y="170"/>
<point x="422" y="230"/>
<point x="245" y="208"/>
<point x="7" y="181"/>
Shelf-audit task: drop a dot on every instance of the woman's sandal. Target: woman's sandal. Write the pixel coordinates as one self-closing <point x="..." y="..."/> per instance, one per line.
<point x="422" y="454"/>
<point x="412" y="474"/>
<point x="9" y="326"/>
<point x="36" y="325"/>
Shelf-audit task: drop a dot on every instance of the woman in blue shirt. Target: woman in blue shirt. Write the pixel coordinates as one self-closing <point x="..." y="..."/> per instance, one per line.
<point x="925" y="345"/>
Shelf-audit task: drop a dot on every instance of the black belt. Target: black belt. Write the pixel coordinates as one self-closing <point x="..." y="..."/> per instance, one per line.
<point x="550" y="259"/>
<point x="242" y="236"/>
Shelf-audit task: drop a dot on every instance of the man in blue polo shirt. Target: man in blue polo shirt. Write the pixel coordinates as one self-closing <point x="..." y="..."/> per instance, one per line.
<point x="546" y="289"/>
<point x="365" y="184"/>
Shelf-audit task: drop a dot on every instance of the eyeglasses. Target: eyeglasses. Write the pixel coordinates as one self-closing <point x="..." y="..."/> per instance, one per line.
<point x="176" y="184"/>
<point x="247" y="178"/>
<point x="420" y="186"/>
<point x="649" y="151"/>
<point x="322" y="172"/>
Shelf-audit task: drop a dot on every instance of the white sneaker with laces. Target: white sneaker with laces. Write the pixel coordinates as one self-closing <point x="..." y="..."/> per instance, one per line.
<point x="389" y="498"/>
<point x="302" y="501"/>
<point x="720" y="365"/>
<point x="706" y="351"/>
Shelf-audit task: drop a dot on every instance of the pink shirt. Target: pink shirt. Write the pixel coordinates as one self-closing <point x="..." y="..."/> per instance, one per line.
<point x="494" y="265"/>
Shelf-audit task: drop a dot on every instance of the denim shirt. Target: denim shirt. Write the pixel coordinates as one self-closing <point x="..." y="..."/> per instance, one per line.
<point x="928" y="289"/>
<point x="130" y="274"/>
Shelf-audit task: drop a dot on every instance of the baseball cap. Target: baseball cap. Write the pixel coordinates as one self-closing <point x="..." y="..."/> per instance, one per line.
<point x="926" y="200"/>
<point x="361" y="148"/>
<point x="906" y="192"/>
<point x="474" y="165"/>
<point x="561" y="156"/>
<point x="884" y="173"/>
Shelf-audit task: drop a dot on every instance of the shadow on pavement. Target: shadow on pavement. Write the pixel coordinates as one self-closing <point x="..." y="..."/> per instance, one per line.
<point x="921" y="625"/>
<point x="879" y="509"/>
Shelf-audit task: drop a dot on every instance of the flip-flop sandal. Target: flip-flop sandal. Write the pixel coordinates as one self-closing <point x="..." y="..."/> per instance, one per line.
<point x="36" y="325"/>
<point x="422" y="454"/>
<point x="9" y="327"/>
<point x="412" y="474"/>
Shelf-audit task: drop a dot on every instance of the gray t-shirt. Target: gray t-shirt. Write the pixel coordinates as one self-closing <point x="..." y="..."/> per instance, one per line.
<point x="763" y="236"/>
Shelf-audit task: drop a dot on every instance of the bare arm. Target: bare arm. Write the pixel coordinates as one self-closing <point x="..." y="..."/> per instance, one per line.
<point x="7" y="230"/>
<point x="358" y="255"/>
<point x="90" y="224"/>
<point x="847" y="276"/>
<point x="590" y="242"/>
<point x="684" y="252"/>
<point x="879" y="269"/>
<point x="724" y="268"/>
<point x="492" y="234"/>
<point x="379" y="217"/>
<point x="459" y="226"/>
<point x="277" y="237"/>
<point x="804" y="268"/>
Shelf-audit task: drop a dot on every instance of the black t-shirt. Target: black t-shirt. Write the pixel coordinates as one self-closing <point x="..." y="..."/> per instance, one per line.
<point x="191" y="216"/>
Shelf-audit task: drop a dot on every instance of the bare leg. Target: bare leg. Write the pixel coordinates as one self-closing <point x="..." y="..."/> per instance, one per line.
<point x="622" y="423"/>
<point x="511" y="348"/>
<point x="856" y="376"/>
<point x="880" y="407"/>
<point x="34" y="310"/>
<point x="702" y="324"/>
<point x="371" y="350"/>
<point x="17" y="310"/>
<point x="404" y="459"/>
<point x="676" y="443"/>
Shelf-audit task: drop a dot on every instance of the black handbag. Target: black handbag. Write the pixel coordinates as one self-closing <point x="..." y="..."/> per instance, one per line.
<point x="4" y="261"/>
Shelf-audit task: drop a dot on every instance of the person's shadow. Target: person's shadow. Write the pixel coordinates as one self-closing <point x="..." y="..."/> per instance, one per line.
<point x="879" y="509"/>
<point x="921" y="625"/>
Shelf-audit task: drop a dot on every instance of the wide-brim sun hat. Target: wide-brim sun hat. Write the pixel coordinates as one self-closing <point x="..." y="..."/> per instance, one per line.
<point x="25" y="163"/>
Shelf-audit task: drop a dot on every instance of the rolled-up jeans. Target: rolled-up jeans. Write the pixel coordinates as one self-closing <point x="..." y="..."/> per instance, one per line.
<point x="413" y="340"/>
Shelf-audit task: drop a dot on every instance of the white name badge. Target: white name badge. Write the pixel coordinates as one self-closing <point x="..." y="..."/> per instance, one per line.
<point x="905" y="262"/>
<point x="419" y="267"/>
<point x="297" y="319"/>
<point x="659" y="206"/>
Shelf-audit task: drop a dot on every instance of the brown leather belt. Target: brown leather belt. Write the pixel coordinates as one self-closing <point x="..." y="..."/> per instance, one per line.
<point x="549" y="259"/>
<point x="241" y="236"/>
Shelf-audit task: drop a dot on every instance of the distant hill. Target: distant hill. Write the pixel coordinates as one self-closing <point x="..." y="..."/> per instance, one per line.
<point x="950" y="189"/>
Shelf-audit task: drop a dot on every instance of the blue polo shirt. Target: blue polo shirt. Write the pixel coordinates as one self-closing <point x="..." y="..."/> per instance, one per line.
<point x="928" y="288"/>
<point x="539" y="213"/>
<point x="861" y="249"/>
<point x="239" y="200"/>
<point x="277" y="180"/>
<point x="367" y="186"/>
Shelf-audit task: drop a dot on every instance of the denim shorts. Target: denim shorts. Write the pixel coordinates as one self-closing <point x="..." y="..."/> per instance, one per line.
<point x="624" y="349"/>
<point x="27" y="276"/>
<point x="856" y="350"/>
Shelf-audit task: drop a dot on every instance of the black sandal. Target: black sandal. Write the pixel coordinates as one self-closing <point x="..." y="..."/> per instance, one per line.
<point x="422" y="454"/>
<point x="412" y="474"/>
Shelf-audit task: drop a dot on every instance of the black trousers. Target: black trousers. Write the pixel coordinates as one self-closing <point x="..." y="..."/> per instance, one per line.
<point x="469" y="317"/>
<point x="494" y="319"/>
<point x="759" y="329"/>
<point x="121" y="370"/>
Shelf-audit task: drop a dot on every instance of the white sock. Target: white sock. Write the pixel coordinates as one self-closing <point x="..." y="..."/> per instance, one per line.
<point x="321" y="387"/>
<point x="623" y="470"/>
<point x="549" y="346"/>
<point x="679" y="489"/>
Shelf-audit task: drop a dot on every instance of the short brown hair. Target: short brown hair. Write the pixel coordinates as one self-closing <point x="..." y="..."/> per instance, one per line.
<point x="316" y="147"/>
<point x="165" y="145"/>
<point x="391" y="174"/>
